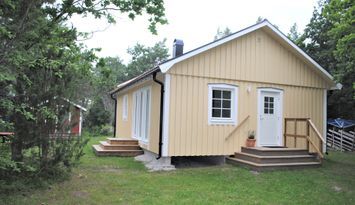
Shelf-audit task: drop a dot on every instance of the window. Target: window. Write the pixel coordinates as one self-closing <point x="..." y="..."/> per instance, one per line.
<point x="268" y="105"/>
<point x="141" y="114"/>
<point x="125" y="107"/>
<point x="222" y="104"/>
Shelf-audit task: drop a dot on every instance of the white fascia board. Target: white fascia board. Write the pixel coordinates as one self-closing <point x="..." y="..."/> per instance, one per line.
<point x="166" y="66"/>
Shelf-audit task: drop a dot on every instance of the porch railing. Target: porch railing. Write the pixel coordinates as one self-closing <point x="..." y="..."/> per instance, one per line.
<point x="309" y="125"/>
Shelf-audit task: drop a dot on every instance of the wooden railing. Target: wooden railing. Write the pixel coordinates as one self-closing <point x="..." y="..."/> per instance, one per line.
<point x="340" y="139"/>
<point x="238" y="126"/>
<point x="309" y="125"/>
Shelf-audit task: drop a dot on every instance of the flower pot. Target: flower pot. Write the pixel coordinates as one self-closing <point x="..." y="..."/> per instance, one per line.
<point x="250" y="142"/>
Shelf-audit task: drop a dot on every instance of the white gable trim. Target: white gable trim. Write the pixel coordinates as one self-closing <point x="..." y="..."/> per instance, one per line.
<point x="164" y="67"/>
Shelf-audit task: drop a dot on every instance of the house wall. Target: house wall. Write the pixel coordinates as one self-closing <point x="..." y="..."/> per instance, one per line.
<point x="124" y="127"/>
<point x="254" y="60"/>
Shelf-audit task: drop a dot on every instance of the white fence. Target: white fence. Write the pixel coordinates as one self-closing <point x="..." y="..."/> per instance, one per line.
<point x="341" y="140"/>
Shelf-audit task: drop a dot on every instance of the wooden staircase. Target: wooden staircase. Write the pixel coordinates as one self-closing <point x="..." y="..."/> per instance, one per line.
<point x="262" y="158"/>
<point x="123" y="147"/>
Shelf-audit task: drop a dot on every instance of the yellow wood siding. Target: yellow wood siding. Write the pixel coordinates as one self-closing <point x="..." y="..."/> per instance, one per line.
<point x="254" y="60"/>
<point x="255" y="57"/>
<point x="124" y="128"/>
<point x="190" y="134"/>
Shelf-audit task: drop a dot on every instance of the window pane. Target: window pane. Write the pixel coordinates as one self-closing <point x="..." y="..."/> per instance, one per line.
<point x="271" y="111"/>
<point x="216" y="94"/>
<point x="216" y="113"/>
<point x="216" y="103"/>
<point x="226" y="104"/>
<point x="266" y="111"/>
<point x="266" y="105"/>
<point x="271" y="99"/>
<point x="226" y="113"/>
<point x="226" y="94"/>
<point x="271" y="105"/>
<point x="266" y="99"/>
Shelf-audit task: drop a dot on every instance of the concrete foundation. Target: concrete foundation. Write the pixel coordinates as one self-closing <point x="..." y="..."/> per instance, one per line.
<point x="149" y="160"/>
<point x="198" y="161"/>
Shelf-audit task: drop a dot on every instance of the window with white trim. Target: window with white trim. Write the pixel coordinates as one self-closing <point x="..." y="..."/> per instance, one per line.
<point x="125" y="107"/>
<point x="222" y="104"/>
<point x="141" y="114"/>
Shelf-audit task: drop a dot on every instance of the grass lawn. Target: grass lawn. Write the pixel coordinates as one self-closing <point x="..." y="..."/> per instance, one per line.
<point x="112" y="180"/>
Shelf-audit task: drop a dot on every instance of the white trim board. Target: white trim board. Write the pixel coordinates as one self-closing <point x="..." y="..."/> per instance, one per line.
<point x="164" y="67"/>
<point x="325" y="120"/>
<point x="165" y="148"/>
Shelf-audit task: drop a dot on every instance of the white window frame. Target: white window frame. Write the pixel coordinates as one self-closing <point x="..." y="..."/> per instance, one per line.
<point x="125" y="107"/>
<point x="146" y="132"/>
<point x="234" y="104"/>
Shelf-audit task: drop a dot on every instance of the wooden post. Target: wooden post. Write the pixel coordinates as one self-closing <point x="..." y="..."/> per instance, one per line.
<point x="333" y="138"/>
<point x="308" y="135"/>
<point x="352" y="148"/>
<point x="294" y="138"/>
<point x="341" y="140"/>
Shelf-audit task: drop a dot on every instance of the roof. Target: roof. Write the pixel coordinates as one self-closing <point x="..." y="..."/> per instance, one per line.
<point x="135" y="79"/>
<point x="75" y="105"/>
<point x="166" y="65"/>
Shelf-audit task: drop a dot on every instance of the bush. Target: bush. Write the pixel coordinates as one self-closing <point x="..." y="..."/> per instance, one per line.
<point x="106" y="130"/>
<point x="63" y="155"/>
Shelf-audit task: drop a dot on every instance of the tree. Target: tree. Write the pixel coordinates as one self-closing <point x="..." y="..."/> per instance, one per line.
<point x="329" y="39"/>
<point x="222" y="33"/>
<point x="293" y="34"/>
<point x="110" y="71"/>
<point x="41" y="64"/>
<point x="259" y="19"/>
<point x="144" y="58"/>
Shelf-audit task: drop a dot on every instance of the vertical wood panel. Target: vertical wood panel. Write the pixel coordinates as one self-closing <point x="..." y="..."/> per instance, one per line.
<point x="193" y="135"/>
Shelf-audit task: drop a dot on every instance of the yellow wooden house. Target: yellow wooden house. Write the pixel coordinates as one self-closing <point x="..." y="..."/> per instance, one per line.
<point x="206" y="102"/>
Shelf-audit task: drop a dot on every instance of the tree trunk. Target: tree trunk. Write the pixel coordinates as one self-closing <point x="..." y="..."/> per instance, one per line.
<point x="16" y="149"/>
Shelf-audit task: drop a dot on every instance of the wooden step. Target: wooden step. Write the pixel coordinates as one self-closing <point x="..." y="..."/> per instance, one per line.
<point x="265" y="151"/>
<point x="122" y="153"/>
<point x="275" y="159"/>
<point x="122" y="141"/>
<point x="272" y="166"/>
<point x="107" y="146"/>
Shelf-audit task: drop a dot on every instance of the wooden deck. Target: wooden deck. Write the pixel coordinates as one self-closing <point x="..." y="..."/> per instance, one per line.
<point x="122" y="147"/>
<point x="262" y="158"/>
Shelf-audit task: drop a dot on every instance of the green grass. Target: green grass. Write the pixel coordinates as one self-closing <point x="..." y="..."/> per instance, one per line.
<point x="111" y="180"/>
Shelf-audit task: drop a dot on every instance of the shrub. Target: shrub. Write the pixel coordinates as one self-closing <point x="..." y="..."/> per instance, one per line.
<point x="106" y="130"/>
<point x="63" y="155"/>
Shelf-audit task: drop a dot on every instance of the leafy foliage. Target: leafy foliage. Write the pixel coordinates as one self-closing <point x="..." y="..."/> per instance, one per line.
<point x="293" y="34"/>
<point x="329" y="38"/>
<point x="145" y="58"/>
<point x="111" y="71"/>
<point x="40" y="65"/>
<point x="222" y="33"/>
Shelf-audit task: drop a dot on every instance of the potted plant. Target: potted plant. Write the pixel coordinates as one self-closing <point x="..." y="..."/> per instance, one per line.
<point x="251" y="139"/>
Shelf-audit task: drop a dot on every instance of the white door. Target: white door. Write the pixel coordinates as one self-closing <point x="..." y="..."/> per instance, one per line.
<point x="141" y="114"/>
<point x="270" y="118"/>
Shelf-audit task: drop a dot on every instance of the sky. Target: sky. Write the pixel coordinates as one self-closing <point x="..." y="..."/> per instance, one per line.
<point x="194" y="21"/>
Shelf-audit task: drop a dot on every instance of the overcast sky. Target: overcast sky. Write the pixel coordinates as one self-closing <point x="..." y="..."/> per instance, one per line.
<point x="193" y="21"/>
